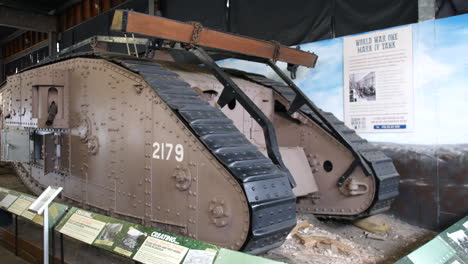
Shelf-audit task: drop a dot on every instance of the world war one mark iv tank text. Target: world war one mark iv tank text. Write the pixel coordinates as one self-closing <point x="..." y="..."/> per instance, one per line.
<point x="214" y="154"/>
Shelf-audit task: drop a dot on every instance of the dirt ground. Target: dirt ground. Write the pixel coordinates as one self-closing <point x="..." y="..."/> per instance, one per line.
<point x="326" y="241"/>
<point x="9" y="180"/>
<point x="340" y="242"/>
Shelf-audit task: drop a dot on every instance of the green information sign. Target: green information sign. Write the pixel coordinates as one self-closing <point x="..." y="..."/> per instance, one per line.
<point x="145" y="244"/>
<point x="449" y="247"/>
<point x="140" y="243"/>
<point x="131" y="240"/>
<point x="18" y="203"/>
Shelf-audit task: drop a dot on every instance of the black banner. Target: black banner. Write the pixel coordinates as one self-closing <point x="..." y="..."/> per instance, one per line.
<point x="353" y="16"/>
<point x="294" y="21"/>
<point x="210" y="13"/>
<point x="446" y="8"/>
<point x="289" y="22"/>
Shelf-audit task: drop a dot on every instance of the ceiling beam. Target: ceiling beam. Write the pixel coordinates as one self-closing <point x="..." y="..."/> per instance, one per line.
<point x="27" y="20"/>
<point x="30" y="6"/>
<point x="12" y="36"/>
<point x="64" y="6"/>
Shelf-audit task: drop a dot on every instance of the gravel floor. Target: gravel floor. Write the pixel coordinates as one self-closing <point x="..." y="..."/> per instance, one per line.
<point x="346" y="243"/>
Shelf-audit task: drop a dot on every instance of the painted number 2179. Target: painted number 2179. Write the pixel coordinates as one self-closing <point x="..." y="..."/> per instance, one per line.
<point x="165" y="151"/>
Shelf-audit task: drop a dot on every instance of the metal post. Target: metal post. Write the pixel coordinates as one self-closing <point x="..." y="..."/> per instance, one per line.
<point x="41" y="206"/>
<point x="62" y="260"/>
<point x="46" y="235"/>
<point x="2" y="70"/>
<point x="16" y="235"/>
<point x="151" y="10"/>
<point x="426" y="9"/>
<point x="53" y="244"/>
<point x="52" y="44"/>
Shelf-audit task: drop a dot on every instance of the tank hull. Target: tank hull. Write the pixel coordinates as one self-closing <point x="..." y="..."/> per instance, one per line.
<point x="132" y="140"/>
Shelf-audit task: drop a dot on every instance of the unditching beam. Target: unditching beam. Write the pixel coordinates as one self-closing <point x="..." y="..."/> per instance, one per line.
<point x="159" y="27"/>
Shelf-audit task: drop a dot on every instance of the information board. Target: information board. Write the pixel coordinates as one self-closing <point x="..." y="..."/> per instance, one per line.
<point x="378" y="81"/>
<point x="449" y="247"/>
<point x="157" y="251"/>
<point x="82" y="226"/>
<point x="144" y="244"/>
<point x="141" y="243"/>
<point x="7" y="199"/>
<point x="195" y="256"/>
<point x="17" y="203"/>
<point x="21" y="204"/>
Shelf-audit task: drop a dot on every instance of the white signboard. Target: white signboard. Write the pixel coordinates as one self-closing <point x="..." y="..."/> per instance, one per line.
<point x="82" y="226"/>
<point x="378" y="81"/>
<point x="157" y="251"/>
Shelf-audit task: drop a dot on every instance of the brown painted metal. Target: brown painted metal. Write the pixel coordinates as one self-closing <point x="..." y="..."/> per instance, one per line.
<point x="178" y="31"/>
<point x="107" y="153"/>
<point x="317" y="186"/>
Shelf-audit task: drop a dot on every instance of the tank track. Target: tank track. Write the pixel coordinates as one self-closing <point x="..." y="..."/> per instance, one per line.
<point x="272" y="203"/>
<point x="271" y="200"/>
<point x="383" y="170"/>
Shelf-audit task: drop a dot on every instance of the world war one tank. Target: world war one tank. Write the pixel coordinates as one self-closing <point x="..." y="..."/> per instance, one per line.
<point x="159" y="143"/>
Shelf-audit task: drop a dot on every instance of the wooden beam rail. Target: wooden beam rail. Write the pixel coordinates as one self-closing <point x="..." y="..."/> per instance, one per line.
<point x="159" y="27"/>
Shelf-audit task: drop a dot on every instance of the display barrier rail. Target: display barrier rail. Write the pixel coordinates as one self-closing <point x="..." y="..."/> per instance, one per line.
<point x="17" y="204"/>
<point x="135" y="242"/>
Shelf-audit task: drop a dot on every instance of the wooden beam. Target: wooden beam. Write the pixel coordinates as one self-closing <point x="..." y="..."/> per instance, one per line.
<point x="133" y="22"/>
<point x="26" y="20"/>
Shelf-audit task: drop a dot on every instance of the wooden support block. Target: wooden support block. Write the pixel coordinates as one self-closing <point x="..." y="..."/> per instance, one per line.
<point x="133" y="22"/>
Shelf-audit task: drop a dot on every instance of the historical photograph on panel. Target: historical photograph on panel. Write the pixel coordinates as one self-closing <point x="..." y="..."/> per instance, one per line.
<point x="107" y="237"/>
<point x="131" y="240"/>
<point x="378" y="81"/>
<point x="362" y="87"/>
<point x="460" y="238"/>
